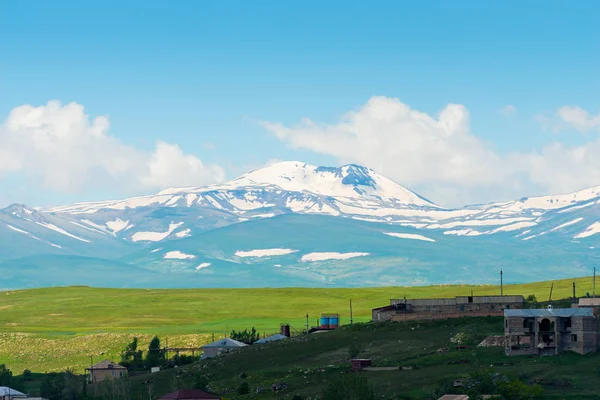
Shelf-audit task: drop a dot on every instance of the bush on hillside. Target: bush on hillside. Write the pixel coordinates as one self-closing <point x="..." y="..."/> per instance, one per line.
<point x="531" y="298"/>
<point x="244" y="388"/>
<point x="354" y="349"/>
<point x="349" y="387"/>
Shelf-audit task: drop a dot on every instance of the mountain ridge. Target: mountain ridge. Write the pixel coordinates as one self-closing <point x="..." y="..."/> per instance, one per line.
<point x="207" y="234"/>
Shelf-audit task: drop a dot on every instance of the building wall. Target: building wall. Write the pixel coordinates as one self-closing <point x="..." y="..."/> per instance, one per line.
<point x="215" y="351"/>
<point x="98" y="375"/>
<point x="578" y="334"/>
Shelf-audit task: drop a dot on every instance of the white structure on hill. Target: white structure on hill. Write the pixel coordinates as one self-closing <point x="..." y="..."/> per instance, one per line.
<point x="222" y="346"/>
<point x="272" y="338"/>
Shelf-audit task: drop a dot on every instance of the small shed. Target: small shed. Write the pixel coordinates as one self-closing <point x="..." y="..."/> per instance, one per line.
<point x="189" y="394"/>
<point x="359" y="363"/>
<point x="272" y="338"/>
<point x="7" y="393"/>
<point x="105" y="369"/>
<point x="222" y="346"/>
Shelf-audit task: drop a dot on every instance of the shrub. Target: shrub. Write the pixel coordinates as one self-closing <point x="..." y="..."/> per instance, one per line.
<point x="531" y="298"/>
<point x="349" y="387"/>
<point x="353" y="350"/>
<point x="244" y="388"/>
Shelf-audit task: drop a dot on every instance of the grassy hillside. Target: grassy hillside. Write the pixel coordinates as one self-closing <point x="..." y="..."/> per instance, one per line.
<point x="308" y="364"/>
<point x="55" y="328"/>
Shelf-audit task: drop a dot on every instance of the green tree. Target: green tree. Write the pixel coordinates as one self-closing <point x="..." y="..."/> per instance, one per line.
<point x="155" y="354"/>
<point x="245" y="336"/>
<point x="531" y="298"/>
<point x="5" y="376"/>
<point x="131" y="355"/>
<point x="349" y="387"/>
<point x="26" y="375"/>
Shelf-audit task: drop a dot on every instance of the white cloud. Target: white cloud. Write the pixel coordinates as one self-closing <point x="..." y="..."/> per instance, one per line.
<point x="579" y="118"/>
<point x="66" y="151"/>
<point x="439" y="157"/>
<point x="508" y="110"/>
<point x="566" y="117"/>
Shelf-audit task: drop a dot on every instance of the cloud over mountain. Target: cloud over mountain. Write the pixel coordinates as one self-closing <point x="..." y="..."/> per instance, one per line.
<point x="439" y="156"/>
<point x="65" y="150"/>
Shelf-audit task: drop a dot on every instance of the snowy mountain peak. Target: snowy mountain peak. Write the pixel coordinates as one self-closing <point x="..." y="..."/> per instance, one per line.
<point x="351" y="181"/>
<point x="23" y="212"/>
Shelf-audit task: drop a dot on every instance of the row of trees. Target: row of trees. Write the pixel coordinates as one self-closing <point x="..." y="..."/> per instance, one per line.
<point x="245" y="336"/>
<point x="132" y="357"/>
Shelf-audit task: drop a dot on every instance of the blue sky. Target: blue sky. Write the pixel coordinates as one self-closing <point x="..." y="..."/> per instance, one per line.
<point x="205" y="76"/>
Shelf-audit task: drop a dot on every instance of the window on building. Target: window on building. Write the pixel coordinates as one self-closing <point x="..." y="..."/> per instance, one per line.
<point x="470" y="299"/>
<point x="573" y="338"/>
<point x="462" y="308"/>
<point x="567" y="323"/>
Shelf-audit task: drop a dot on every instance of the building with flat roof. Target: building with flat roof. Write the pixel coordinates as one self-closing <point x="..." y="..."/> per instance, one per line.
<point x="454" y="307"/>
<point x="550" y="331"/>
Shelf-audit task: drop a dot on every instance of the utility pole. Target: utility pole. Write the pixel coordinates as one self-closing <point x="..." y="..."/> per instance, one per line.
<point x="594" y="284"/>
<point x="307" y="323"/>
<point x="350" y="311"/>
<point x="501" y="285"/>
<point x="167" y="349"/>
<point x="574" y="297"/>
<point x="551" y="287"/>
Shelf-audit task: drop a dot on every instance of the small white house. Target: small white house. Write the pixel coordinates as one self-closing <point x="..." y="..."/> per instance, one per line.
<point x="222" y="346"/>
<point x="7" y="393"/>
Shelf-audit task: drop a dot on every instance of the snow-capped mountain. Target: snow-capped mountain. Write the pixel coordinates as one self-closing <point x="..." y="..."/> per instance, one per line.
<point x="299" y="224"/>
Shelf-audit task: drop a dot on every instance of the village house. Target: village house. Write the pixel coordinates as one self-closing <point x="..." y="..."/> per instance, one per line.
<point x="459" y="306"/>
<point x="222" y="346"/>
<point x="550" y="331"/>
<point x="105" y="369"/>
<point x="7" y="393"/>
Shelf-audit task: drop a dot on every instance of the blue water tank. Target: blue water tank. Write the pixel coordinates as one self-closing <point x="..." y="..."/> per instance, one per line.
<point x="334" y="321"/>
<point x="324" y="322"/>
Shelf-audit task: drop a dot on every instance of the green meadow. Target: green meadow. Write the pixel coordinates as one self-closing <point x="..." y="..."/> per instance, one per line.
<point x="51" y="329"/>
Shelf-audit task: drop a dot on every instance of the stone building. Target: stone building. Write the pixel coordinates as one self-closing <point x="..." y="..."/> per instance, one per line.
<point x="550" y="331"/>
<point x="459" y="306"/>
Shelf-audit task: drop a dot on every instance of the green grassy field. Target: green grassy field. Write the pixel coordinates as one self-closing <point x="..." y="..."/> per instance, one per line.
<point x="55" y="328"/>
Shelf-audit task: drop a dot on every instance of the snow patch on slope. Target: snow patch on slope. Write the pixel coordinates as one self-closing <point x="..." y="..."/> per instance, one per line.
<point x="409" y="236"/>
<point x="178" y="255"/>
<point x="566" y="224"/>
<point x="264" y="252"/>
<point x="117" y="225"/>
<point x="330" y="256"/>
<point x="184" y="233"/>
<point x="203" y="265"/>
<point x="591" y="230"/>
<point x="155" y="236"/>
<point x="62" y="231"/>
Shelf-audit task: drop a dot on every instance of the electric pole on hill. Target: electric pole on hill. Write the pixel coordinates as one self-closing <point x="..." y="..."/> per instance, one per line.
<point x="350" y="311"/>
<point x="594" y="284"/>
<point x="501" y="285"/>
<point x="307" y="323"/>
